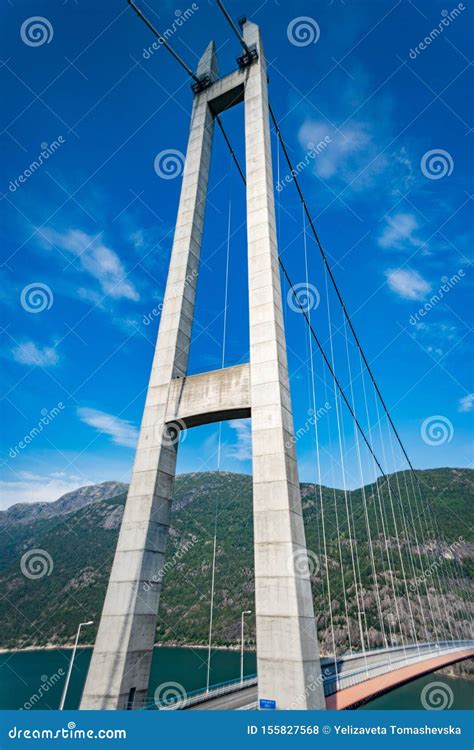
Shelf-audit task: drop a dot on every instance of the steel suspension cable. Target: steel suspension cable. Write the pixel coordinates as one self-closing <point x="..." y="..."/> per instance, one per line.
<point x="318" y="458"/>
<point x="334" y="283"/>
<point x="224" y="339"/>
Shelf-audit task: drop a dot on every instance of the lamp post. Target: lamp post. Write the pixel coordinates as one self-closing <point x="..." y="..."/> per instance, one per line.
<point x="245" y="612"/>
<point x="71" y="663"/>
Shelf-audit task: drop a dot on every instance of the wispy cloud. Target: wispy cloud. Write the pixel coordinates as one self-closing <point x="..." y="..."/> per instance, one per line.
<point x="242" y="449"/>
<point x="400" y="231"/>
<point x="95" y="258"/>
<point x="121" y="431"/>
<point x="466" y="403"/>
<point x="36" y="488"/>
<point x="437" y="338"/>
<point x="407" y="284"/>
<point x="28" y="353"/>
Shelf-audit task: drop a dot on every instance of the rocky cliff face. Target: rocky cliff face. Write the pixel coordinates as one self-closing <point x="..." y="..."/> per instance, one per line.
<point x="72" y="501"/>
<point x="78" y="533"/>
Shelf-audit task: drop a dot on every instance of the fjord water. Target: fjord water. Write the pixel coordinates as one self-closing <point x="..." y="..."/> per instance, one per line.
<point x="35" y="679"/>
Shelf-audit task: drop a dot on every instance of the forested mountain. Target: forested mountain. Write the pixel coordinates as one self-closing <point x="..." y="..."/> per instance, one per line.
<point x="417" y="544"/>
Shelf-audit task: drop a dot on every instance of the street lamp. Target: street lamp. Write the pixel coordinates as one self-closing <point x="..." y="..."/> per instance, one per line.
<point x="245" y="612"/>
<point x="68" y="676"/>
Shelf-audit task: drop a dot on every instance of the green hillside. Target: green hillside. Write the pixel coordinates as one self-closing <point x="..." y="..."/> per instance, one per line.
<point x="402" y="544"/>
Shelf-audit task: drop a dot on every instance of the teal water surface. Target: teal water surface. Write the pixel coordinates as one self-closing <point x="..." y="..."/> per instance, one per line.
<point x="35" y="679"/>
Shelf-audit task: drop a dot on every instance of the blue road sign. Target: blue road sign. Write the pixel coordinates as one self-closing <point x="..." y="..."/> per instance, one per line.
<point x="266" y="703"/>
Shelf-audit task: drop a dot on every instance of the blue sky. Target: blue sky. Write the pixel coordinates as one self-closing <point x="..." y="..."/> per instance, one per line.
<point x="86" y="235"/>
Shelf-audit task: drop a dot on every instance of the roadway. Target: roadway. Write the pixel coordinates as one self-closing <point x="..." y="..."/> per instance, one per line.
<point x="357" y="680"/>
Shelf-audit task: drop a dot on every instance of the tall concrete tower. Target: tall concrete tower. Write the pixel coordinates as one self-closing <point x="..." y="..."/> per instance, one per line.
<point x="287" y="647"/>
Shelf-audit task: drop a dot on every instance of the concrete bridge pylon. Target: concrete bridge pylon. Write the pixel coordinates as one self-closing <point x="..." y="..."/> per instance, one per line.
<point x="288" y="664"/>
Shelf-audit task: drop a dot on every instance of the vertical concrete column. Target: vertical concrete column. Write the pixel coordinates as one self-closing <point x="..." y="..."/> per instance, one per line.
<point x="287" y="647"/>
<point x="120" y="667"/>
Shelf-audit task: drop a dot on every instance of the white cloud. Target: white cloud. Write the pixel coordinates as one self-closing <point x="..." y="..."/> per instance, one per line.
<point x="437" y="338"/>
<point x="35" y="488"/>
<point x="242" y="450"/>
<point x="28" y="353"/>
<point x="400" y="231"/>
<point x="466" y="403"/>
<point x="96" y="259"/>
<point x="121" y="431"/>
<point x="407" y="284"/>
<point x="356" y="157"/>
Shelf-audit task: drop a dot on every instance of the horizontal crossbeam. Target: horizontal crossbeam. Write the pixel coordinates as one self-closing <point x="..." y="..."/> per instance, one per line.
<point x="214" y="396"/>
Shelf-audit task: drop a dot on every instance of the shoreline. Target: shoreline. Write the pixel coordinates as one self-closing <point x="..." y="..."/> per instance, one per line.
<point x="166" y="644"/>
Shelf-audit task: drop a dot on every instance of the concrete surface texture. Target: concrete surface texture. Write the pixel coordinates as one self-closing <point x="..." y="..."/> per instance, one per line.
<point x="287" y="647"/>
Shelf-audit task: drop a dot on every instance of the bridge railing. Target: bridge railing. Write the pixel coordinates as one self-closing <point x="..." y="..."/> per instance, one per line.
<point x="201" y="694"/>
<point x="409" y="654"/>
<point x="335" y="682"/>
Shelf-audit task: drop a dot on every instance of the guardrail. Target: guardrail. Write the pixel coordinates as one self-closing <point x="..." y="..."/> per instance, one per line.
<point x="410" y="654"/>
<point x="335" y="682"/>
<point x="201" y="694"/>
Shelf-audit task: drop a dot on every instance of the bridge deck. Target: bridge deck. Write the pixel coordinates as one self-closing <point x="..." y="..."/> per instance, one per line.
<point x="353" y="695"/>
